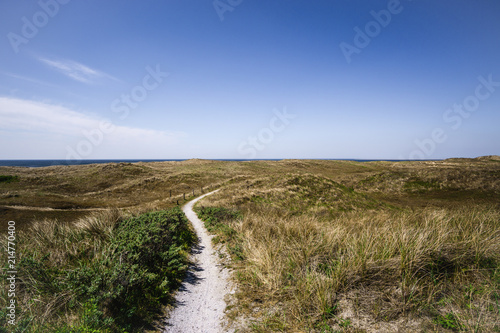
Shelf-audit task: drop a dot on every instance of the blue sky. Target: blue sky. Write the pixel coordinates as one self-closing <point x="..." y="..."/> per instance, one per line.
<point x="249" y="79"/>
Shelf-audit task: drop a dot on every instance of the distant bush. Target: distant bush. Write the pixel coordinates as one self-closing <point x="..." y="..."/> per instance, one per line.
<point x="416" y="184"/>
<point x="8" y="179"/>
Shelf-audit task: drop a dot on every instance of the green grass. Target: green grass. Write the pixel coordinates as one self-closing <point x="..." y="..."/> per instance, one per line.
<point x="448" y="321"/>
<point x="8" y="179"/>
<point x="416" y="184"/>
<point x="220" y="221"/>
<point x="317" y="246"/>
<point x="106" y="274"/>
<point x="390" y="263"/>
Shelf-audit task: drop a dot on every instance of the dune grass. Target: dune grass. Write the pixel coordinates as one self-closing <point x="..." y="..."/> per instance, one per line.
<point x="317" y="246"/>
<point x="105" y="273"/>
<point x="340" y="262"/>
<point x="426" y="264"/>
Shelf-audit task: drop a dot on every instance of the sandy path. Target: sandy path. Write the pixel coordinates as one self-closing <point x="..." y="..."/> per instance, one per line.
<point x="200" y="301"/>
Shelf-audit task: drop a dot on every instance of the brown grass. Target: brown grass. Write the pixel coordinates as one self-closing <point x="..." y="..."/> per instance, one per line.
<point x="56" y="244"/>
<point x="319" y="257"/>
<point x="325" y="245"/>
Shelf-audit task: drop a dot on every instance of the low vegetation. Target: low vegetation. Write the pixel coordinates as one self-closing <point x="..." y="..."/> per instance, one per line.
<point x="316" y="246"/>
<point x="219" y="221"/>
<point x="8" y="179"/>
<point x="106" y="273"/>
<point x="320" y="257"/>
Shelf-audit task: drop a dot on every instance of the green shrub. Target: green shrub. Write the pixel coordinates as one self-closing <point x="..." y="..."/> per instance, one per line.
<point x="121" y="282"/>
<point x="149" y="258"/>
<point x="214" y="216"/>
<point x="420" y="185"/>
<point x="8" y="179"/>
<point x="219" y="220"/>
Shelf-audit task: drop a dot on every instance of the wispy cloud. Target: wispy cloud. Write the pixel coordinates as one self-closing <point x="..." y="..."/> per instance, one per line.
<point x="46" y="126"/>
<point x="76" y="70"/>
<point x="38" y="82"/>
<point x="31" y="80"/>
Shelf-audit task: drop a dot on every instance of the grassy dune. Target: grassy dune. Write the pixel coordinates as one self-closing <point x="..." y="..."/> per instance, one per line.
<point x="68" y="192"/>
<point x="372" y="270"/>
<point x="317" y="246"/>
<point x="312" y="254"/>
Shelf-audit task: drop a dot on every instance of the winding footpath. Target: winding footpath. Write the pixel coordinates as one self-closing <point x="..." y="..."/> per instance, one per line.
<point x="200" y="305"/>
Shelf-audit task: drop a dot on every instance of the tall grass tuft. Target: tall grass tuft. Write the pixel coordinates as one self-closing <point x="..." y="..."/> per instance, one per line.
<point x="389" y="266"/>
<point x="105" y="273"/>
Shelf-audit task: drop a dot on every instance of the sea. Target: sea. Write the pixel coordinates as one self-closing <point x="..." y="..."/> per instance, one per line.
<point x="46" y="163"/>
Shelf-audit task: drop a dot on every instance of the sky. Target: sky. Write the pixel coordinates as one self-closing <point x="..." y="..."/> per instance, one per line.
<point x="249" y="79"/>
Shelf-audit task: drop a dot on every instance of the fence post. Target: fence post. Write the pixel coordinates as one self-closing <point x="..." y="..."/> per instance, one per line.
<point x="193" y="192"/>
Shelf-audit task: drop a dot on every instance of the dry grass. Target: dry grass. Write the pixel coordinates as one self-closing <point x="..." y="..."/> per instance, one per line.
<point x="417" y="259"/>
<point x="323" y="246"/>
<point x="320" y="257"/>
<point x="57" y="245"/>
<point x="63" y="241"/>
<point x="107" y="272"/>
<point x="72" y="192"/>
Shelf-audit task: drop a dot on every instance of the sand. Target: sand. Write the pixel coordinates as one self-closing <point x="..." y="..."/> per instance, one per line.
<point x="200" y="304"/>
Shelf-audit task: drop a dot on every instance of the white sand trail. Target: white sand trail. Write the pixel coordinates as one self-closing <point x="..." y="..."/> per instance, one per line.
<point x="200" y="304"/>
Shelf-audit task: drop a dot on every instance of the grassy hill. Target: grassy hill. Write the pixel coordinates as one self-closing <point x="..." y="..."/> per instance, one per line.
<point x="317" y="246"/>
